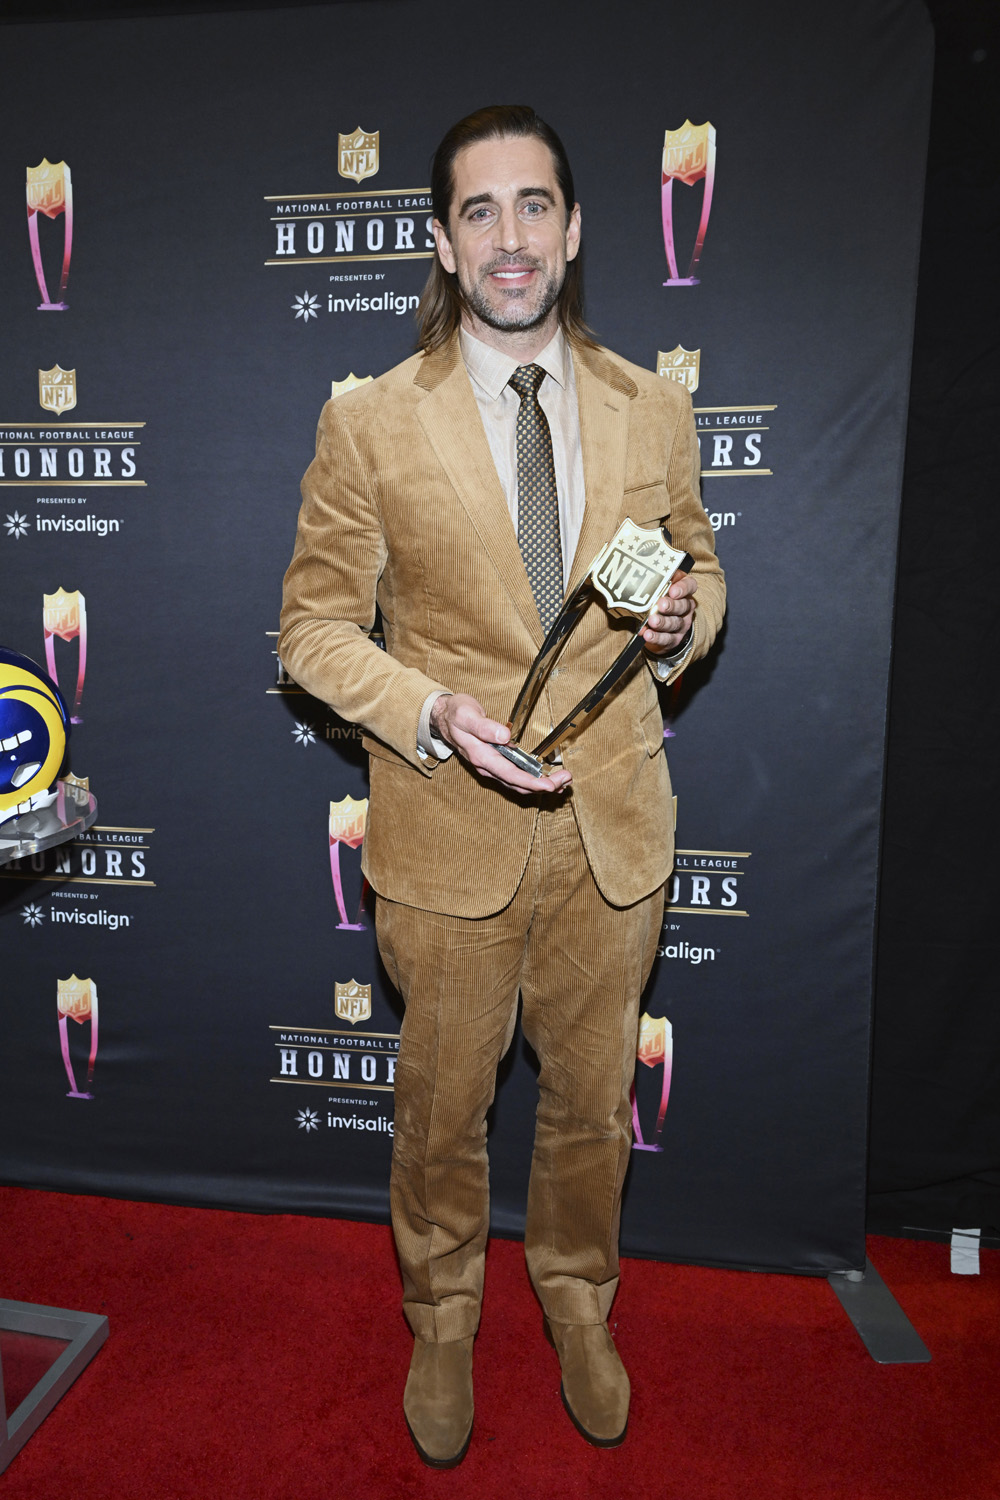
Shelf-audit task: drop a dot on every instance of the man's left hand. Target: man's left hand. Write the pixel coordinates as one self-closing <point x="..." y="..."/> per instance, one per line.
<point x="671" y="617"/>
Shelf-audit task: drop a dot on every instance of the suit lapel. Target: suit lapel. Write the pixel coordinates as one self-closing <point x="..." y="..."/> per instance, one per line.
<point x="604" y="421"/>
<point x="450" y="418"/>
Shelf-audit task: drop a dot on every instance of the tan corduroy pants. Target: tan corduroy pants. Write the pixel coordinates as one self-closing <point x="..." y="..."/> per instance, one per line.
<point x="580" y="966"/>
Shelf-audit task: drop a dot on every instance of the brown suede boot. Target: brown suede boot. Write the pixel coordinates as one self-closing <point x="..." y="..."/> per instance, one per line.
<point x="595" y="1389"/>
<point x="437" y="1402"/>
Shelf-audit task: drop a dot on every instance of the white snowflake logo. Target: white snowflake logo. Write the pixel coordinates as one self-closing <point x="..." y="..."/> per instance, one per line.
<point x="32" y="914"/>
<point x="17" y="525"/>
<point x="303" y="734"/>
<point x="306" y="307"/>
<point x="308" y="1120"/>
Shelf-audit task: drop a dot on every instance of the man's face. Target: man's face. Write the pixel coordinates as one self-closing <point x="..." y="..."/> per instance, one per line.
<point x="508" y="238"/>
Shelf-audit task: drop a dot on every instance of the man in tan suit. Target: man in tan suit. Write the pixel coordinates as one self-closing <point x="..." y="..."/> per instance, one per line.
<point x="462" y="492"/>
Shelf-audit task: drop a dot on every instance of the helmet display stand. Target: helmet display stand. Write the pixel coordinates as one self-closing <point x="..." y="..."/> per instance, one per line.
<point x="42" y="1349"/>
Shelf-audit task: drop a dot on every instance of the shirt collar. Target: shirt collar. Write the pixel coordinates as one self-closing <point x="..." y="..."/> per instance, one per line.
<point x="491" y="370"/>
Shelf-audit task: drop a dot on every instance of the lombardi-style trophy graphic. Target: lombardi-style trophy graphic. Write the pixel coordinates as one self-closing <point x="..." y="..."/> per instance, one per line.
<point x="50" y="192"/>
<point x="688" y="155"/>
<point x="655" y="1050"/>
<point x="76" y="1000"/>
<point x="65" y="615"/>
<point x="347" y="826"/>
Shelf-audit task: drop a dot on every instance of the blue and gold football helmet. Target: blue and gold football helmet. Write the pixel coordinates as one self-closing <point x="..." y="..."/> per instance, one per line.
<point x="34" y="725"/>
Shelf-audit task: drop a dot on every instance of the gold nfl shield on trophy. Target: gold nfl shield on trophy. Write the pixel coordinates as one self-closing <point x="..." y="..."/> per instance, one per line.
<point x="652" y="1048"/>
<point x="347" y="821"/>
<point x="680" y="364"/>
<point x="61" y="613"/>
<point x="57" y="390"/>
<point x="358" y="154"/>
<point x="46" y="187"/>
<point x="341" y="387"/>
<point x="75" y="998"/>
<point x="686" y="151"/>
<point x="634" y="569"/>
<point x="353" y="1001"/>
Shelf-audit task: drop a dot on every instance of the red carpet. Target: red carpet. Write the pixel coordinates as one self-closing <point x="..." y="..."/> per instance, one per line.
<point x="264" y="1357"/>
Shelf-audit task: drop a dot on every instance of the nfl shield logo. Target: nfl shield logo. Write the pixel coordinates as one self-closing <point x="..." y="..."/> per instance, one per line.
<point x="358" y="154"/>
<point x="57" y="390"/>
<point x="634" y="569"/>
<point x="652" y="1048"/>
<point x="46" y="188"/>
<point x="680" y="364"/>
<point x="347" y="821"/>
<point x="687" y="152"/>
<point x="62" y="615"/>
<point x="353" y="1002"/>
<point x="75" y="998"/>
<point x="340" y="387"/>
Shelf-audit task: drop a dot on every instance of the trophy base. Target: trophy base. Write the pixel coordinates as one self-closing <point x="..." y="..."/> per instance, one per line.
<point x="53" y="307"/>
<point x="523" y="760"/>
<point x="683" y="281"/>
<point x="33" y="832"/>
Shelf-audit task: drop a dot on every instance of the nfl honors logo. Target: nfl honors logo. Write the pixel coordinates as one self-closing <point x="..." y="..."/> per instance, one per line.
<point x="353" y="1002"/>
<point x="358" y="154"/>
<point x="341" y="387"/>
<point x="57" y="390"/>
<point x="680" y="364"/>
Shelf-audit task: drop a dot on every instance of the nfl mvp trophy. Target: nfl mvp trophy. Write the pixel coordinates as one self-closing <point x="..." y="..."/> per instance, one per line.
<point x="688" y="157"/>
<point x="631" y="573"/>
<point x="655" y="1050"/>
<point x="65" y="615"/>
<point x="50" y="193"/>
<point x="347" y="826"/>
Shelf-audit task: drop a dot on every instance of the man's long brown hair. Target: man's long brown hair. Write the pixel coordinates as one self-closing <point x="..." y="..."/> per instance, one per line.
<point x="440" y="312"/>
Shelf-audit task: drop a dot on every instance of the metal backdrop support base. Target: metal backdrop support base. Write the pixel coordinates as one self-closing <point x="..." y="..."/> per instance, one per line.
<point x="885" y="1330"/>
<point x="81" y="1333"/>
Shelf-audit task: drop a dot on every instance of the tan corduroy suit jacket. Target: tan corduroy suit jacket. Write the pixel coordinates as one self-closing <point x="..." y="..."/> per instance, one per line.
<point x="402" y="505"/>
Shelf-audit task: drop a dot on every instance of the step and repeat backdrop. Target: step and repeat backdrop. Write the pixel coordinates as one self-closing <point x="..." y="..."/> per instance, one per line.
<point x="208" y="227"/>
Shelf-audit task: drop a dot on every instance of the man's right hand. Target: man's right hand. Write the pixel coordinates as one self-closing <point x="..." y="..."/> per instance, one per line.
<point x="460" y="721"/>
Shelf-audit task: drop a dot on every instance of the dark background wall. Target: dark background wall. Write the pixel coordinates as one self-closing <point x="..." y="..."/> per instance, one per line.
<point x="935" y="1125"/>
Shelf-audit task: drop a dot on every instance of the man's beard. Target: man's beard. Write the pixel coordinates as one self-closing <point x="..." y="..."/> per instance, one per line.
<point x="515" y="312"/>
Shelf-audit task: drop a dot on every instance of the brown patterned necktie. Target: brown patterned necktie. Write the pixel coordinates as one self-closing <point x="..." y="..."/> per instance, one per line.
<point x="537" y="499"/>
